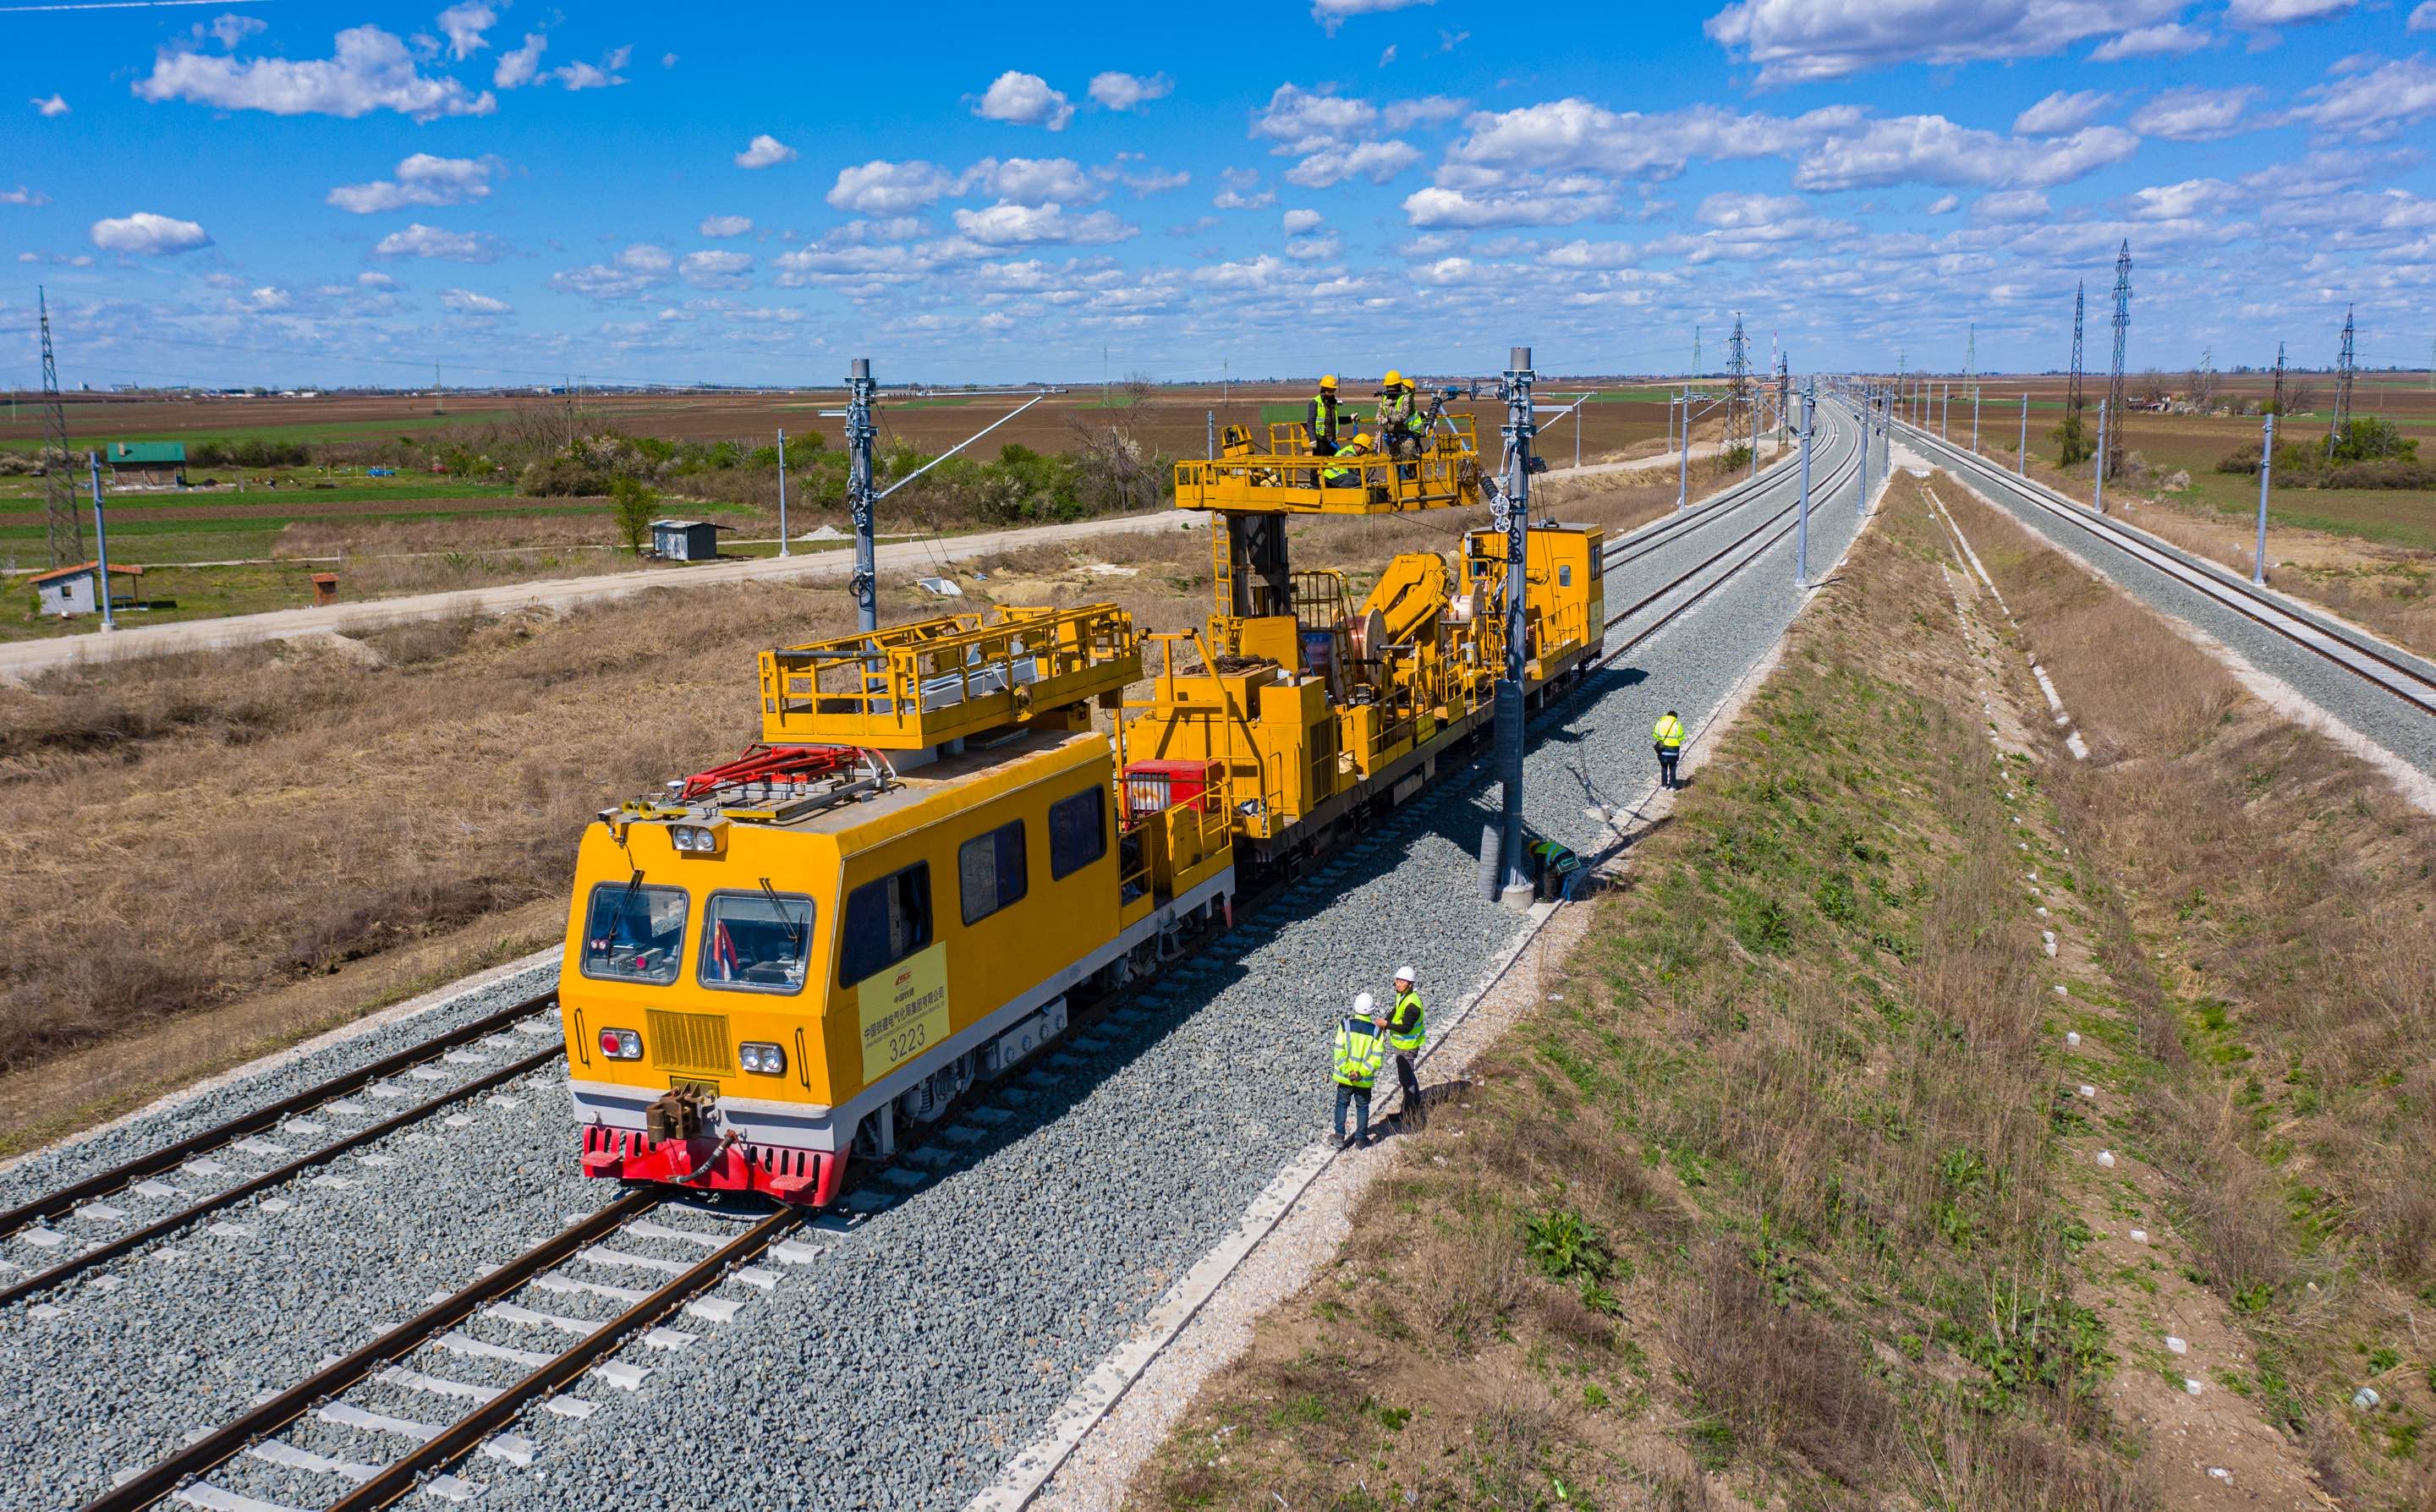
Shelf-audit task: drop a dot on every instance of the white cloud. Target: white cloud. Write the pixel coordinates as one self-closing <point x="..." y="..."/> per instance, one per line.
<point x="464" y="25"/>
<point x="375" y="280"/>
<point x="231" y="29"/>
<point x="1741" y="211"/>
<point x="466" y="301"/>
<point x="2010" y="205"/>
<point x="1460" y="209"/>
<point x="1314" y="249"/>
<point x="587" y="76"/>
<point x="23" y="195"/>
<point x="718" y="226"/>
<point x="1124" y="92"/>
<point x="1012" y="225"/>
<point x="1025" y="100"/>
<point x="2282" y="12"/>
<point x="54" y="105"/>
<point x="148" y="234"/>
<point x="1301" y="121"/>
<point x="2375" y="105"/>
<point x="717" y="269"/>
<point x="371" y="70"/>
<point x="422" y="180"/>
<point x="1389" y="55"/>
<point x="1237" y="199"/>
<point x="1299" y="221"/>
<point x="883" y="188"/>
<point x="2194" y="114"/>
<point x="1794" y="40"/>
<point x="270" y="297"/>
<point x="1375" y="160"/>
<point x="1028" y="181"/>
<point x="1575" y="134"/>
<point x="644" y="257"/>
<point x="764" y="151"/>
<point x="2061" y="112"/>
<point x="2424" y="17"/>
<point x="1332" y="14"/>
<point x="1429" y="109"/>
<point x="1945" y="204"/>
<point x="1932" y="149"/>
<point x="419" y="240"/>
<point x="2168" y="39"/>
<point x="2179" y="202"/>
<point x="1142" y="182"/>
<point x="517" y="68"/>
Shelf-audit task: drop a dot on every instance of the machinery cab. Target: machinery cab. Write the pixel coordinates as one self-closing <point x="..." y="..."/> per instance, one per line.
<point x="1564" y="596"/>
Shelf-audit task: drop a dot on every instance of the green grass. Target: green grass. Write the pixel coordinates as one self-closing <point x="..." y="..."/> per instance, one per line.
<point x="316" y="430"/>
<point x="404" y="491"/>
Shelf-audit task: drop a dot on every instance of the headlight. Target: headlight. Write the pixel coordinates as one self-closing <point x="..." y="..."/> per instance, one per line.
<point x="621" y="1044"/>
<point x="750" y="1057"/>
<point x="762" y="1060"/>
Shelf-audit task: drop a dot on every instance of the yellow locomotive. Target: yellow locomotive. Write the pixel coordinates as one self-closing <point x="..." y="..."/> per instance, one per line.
<point x="950" y="828"/>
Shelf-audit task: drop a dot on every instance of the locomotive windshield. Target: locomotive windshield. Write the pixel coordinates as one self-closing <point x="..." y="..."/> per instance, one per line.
<point x="635" y="933"/>
<point x="755" y="942"/>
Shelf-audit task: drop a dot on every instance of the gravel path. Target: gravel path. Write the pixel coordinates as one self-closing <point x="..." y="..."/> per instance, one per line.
<point x="900" y="1363"/>
<point x="2378" y="716"/>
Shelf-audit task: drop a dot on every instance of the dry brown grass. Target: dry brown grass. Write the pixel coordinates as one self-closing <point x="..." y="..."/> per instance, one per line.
<point x="2267" y="902"/>
<point x="1796" y="1087"/>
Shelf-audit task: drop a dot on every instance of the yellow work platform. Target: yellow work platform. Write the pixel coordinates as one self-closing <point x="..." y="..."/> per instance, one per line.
<point x="1289" y="478"/>
<point x="909" y="688"/>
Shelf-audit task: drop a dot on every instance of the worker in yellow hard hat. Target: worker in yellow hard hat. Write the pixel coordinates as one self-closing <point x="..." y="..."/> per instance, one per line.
<point x="1340" y="475"/>
<point x="1397" y="418"/>
<point x="1323" y="418"/>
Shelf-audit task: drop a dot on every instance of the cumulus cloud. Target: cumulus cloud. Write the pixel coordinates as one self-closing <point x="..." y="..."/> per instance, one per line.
<point x="717" y="269"/>
<point x="718" y="226"/>
<point x="419" y="240"/>
<point x="2375" y="105"/>
<point x="765" y="152"/>
<point x="516" y="68"/>
<point x="883" y="188"/>
<point x="144" y="234"/>
<point x="231" y="29"/>
<point x="369" y="70"/>
<point x="1028" y="181"/>
<point x="1126" y="92"/>
<point x="2282" y="12"/>
<point x="53" y="106"/>
<point x="588" y="76"/>
<point x="1457" y="209"/>
<point x="1025" y="100"/>
<point x="2169" y="39"/>
<point x="466" y="301"/>
<point x="1237" y="200"/>
<point x="2060" y="111"/>
<point x="1332" y="14"/>
<point x="1299" y="221"/>
<point x="1429" y="109"/>
<point x="1945" y="204"/>
<point x="2179" y="202"/>
<point x="1375" y="160"/>
<point x="1794" y="40"/>
<point x="1932" y="149"/>
<point x="422" y="180"/>
<point x="1301" y="120"/>
<point x="641" y="268"/>
<point x="2424" y="17"/>
<point x="2194" y="114"/>
<point x="1006" y="224"/>
<point x="463" y="24"/>
<point x="2009" y="205"/>
<point x="23" y="195"/>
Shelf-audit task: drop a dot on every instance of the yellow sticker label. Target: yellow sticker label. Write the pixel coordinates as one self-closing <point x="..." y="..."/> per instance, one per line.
<point x="904" y="1011"/>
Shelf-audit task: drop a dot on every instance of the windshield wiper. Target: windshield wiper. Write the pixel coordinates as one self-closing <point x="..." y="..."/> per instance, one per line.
<point x="794" y="937"/>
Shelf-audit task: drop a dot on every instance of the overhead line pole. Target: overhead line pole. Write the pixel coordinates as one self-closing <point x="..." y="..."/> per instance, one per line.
<point x="2101" y="457"/>
<point x="2022" y="452"/>
<point x="1802" y="521"/>
<point x="1514" y="504"/>
<point x="859" y="434"/>
<point x="2266" y="468"/>
<point x="782" y="491"/>
<point x="100" y="542"/>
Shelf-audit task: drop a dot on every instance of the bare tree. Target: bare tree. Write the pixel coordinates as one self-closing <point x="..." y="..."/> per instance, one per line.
<point x="2202" y="382"/>
<point x="2300" y="395"/>
<point x="2152" y="388"/>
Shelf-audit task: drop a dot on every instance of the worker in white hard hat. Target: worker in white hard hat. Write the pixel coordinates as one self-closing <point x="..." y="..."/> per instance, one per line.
<point x="1361" y="1046"/>
<point x="1407" y="1034"/>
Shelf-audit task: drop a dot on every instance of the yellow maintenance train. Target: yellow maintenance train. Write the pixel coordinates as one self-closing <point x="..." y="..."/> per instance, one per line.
<point x="951" y="829"/>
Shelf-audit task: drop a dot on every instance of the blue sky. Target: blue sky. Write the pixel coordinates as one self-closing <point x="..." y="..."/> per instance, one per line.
<point x="324" y="192"/>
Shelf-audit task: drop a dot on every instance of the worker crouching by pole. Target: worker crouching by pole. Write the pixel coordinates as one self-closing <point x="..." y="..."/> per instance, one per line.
<point x="1361" y="1049"/>
<point x="1407" y="1034"/>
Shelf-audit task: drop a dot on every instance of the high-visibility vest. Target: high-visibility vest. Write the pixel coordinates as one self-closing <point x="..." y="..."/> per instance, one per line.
<point x="1360" y="1051"/>
<point x="1395" y="412"/>
<point x="1323" y="417"/>
<point x="1669" y="733"/>
<point x="1404" y="1028"/>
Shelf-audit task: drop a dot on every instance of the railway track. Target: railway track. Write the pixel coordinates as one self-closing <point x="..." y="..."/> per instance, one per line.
<point x="490" y="1325"/>
<point x="348" y="1428"/>
<point x="2383" y="667"/>
<point x="511" y="1029"/>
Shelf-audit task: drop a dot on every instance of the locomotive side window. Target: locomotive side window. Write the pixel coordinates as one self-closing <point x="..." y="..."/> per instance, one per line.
<point x="635" y="933"/>
<point x="1078" y="831"/>
<point x="755" y="942"/>
<point x="990" y="872"/>
<point x="886" y="920"/>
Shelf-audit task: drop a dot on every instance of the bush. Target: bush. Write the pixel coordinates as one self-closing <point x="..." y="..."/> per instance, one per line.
<point x="563" y="477"/>
<point x="2072" y="438"/>
<point x="248" y="452"/>
<point x="632" y="505"/>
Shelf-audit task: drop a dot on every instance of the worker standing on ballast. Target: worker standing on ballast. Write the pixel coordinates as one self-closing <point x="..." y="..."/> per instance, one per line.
<point x="1323" y="418"/>
<point x="1407" y="1034"/>
<point x="1361" y="1048"/>
<point x="1668" y="733"/>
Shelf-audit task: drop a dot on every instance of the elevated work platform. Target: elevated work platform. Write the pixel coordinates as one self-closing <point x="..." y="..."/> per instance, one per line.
<point x="909" y="688"/>
<point x="1289" y="478"/>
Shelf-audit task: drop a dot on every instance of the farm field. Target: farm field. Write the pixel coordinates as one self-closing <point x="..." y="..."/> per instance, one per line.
<point x="245" y="546"/>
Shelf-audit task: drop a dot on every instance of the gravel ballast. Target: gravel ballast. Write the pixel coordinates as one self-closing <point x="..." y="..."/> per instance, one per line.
<point x="901" y="1363"/>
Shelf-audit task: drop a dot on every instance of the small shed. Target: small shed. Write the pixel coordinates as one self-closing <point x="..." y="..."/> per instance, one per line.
<point x="686" y="540"/>
<point x="146" y="463"/>
<point x="70" y="590"/>
<point x="325" y="589"/>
